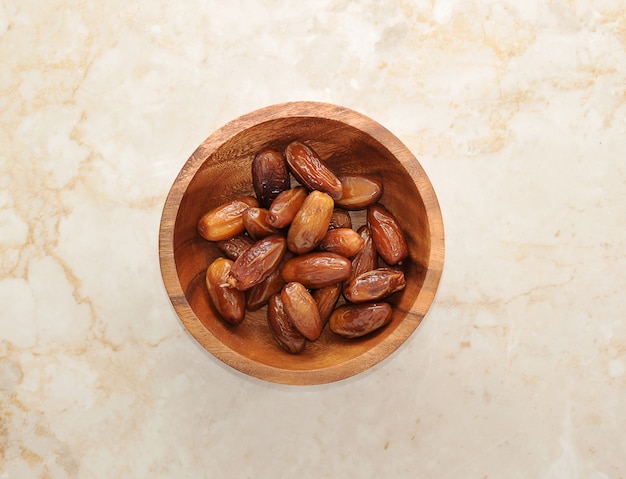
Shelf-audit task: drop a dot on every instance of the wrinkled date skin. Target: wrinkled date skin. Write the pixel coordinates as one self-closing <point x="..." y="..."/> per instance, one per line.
<point x="270" y="176"/>
<point x="256" y="223"/>
<point x="259" y="294"/>
<point x="387" y="235"/>
<point x="235" y="246"/>
<point x="374" y="285"/>
<point x="257" y="262"/>
<point x="283" y="331"/>
<point x="359" y="192"/>
<point x="356" y="320"/>
<point x="302" y="310"/>
<point x="310" y="223"/>
<point x="317" y="269"/>
<point x="326" y="299"/>
<point x="283" y="209"/>
<point x="226" y="220"/>
<point x="340" y="219"/>
<point x="229" y="302"/>
<point x="343" y="241"/>
<point x="310" y="170"/>
<point x="367" y="258"/>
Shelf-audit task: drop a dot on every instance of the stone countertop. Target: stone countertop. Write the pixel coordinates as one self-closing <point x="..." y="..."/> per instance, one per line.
<point x="517" y="113"/>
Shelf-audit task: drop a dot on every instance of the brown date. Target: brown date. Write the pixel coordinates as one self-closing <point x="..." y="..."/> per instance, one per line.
<point x="326" y="299"/>
<point x="343" y="241"/>
<point x="367" y="258"/>
<point x="229" y="302"/>
<point x="257" y="262"/>
<point x="317" y="269"/>
<point x="359" y="192"/>
<point x="302" y="310"/>
<point x="356" y="320"/>
<point x="226" y="220"/>
<point x="284" y="332"/>
<point x="387" y="234"/>
<point x="259" y="294"/>
<point x="310" y="223"/>
<point x="284" y="208"/>
<point x="374" y="285"/>
<point x="340" y="219"/>
<point x="256" y="222"/>
<point x="311" y="171"/>
<point x="270" y="176"/>
<point x="233" y="247"/>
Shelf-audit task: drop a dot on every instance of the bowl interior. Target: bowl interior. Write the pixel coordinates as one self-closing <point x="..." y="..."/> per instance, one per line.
<point x="226" y="173"/>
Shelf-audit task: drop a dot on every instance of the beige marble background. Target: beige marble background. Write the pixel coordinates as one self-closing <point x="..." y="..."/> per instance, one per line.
<point x="517" y="112"/>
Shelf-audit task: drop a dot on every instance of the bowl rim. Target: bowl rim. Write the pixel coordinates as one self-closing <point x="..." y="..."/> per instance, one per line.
<point x="248" y="366"/>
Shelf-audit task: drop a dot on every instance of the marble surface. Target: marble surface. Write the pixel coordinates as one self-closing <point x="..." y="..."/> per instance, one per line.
<point x="517" y="112"/>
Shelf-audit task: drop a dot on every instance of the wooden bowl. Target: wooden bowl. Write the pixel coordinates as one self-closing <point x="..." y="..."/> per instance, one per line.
<point x="220" y="168"/>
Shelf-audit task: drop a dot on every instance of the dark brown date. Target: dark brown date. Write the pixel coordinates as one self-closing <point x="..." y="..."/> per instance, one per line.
<point x="235" y="246"/>
<point x="356" y="320"/>
<point x="326" y="299"/>
<point x="367" y="258"/>
<point x="259" y="294"/>
<point x="270" y="176"/>
<point x="374" y="285"/>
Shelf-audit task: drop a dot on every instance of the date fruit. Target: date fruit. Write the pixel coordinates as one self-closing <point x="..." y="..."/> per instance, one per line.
<point x="367" y="258"/>
<point x="326" y="299"/>
<point x="359" y="192"/>
<point x="256" y="223"/>
<point x="311" y="171"/>
<point x="310" y="223"/>
<point x="340" y="219"/>
<point x="387" y="234"/>
<point x="270" y="176"/>
<point x="356" y="320"/>
<point x="229" y="302"/>
<point x="374" y="285"/>
<point x="257" y="262"/>
<point x="259" y="294"/>
<point x="283" y="331"/>
<point x="343" y="241"/>
<point x="302" y="310"/>
<point x="235" y="246"/>
<point x="283" y="209"/>
<point x="317" y="269"/>
<point x="226" y="220"/>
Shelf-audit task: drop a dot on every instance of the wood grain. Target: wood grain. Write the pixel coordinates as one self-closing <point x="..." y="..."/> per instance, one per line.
<point x="220" y="169"/>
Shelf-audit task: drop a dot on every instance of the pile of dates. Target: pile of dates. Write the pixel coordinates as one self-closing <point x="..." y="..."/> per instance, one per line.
<point x="292" y="247"/>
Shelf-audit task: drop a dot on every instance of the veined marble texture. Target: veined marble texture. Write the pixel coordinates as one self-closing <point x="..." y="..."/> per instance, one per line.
<point x="515" y="109"/>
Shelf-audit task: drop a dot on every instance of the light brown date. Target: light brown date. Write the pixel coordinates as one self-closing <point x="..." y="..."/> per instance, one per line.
<point x="311" y="171"/>
<point x="259" y="294"/>
<point x="229" y="302"/>
<point x="302" y="310"/>
<point x="226" y="220"/>
<point x="340" y="219"/>
<point x="270" y="176"/>
<point x="233" y="247"/>
<point x="284" y="332"/>
<point x="374" y="285"/>
<point x="310" y="223"/>
<point x="284" y="208"/>
<point x="317" y="269"/>
<point x="387" y="234"/>
<point x="257" y="262"/>
<point x="356" y="320"/>
<point x="359" y="192"/>
<point x="256" y="222"/>
<point x="343" y="241"/>
<point x="326" y="299"/>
